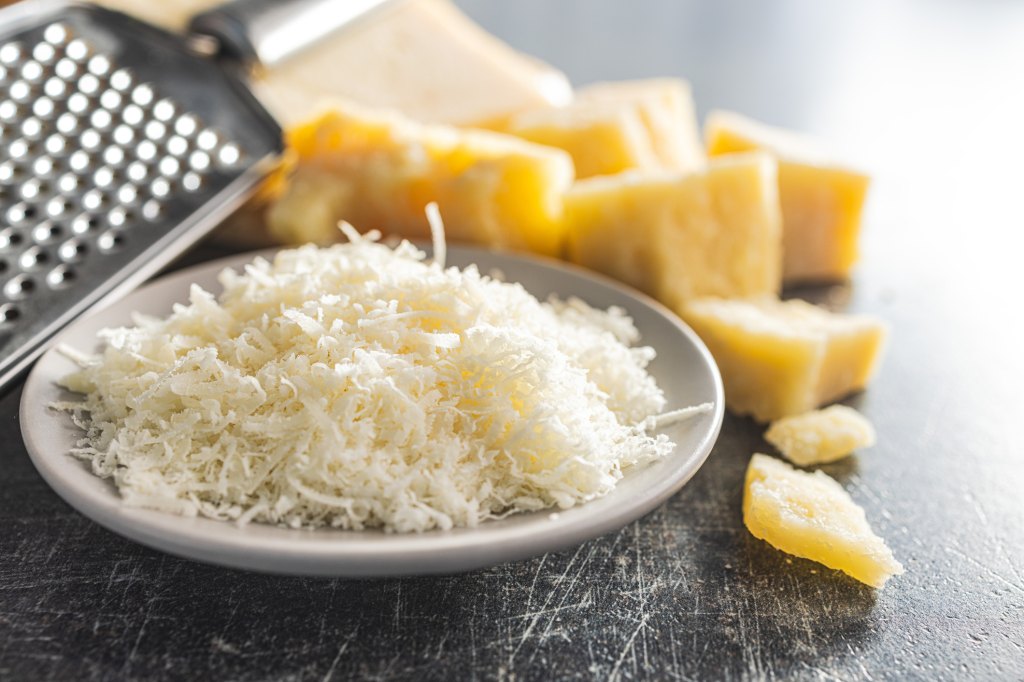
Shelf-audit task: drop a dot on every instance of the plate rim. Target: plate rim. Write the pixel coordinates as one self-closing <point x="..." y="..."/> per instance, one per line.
<point x="430" y="552"/>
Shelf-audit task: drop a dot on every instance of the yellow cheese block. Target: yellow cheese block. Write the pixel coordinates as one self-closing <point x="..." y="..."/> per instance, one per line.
<point x="810" y="515"/>
<point x="677" y="236"/>
<point x="614" y="127"/>
<point x="822" y="200"/>
<point x="821" y="436"/>
<point x="665" y="105"/>
<point x="379" y="170"/>
<point x="781" y="358"/>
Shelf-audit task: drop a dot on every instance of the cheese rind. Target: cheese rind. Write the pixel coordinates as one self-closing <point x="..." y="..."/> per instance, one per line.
<point x="809" y="515"/>
<point x="822" y="200"/>
<point x="613" y="127"/>
<point x="380" y="170"/>
<point x="781" y="358"/>
<point x="821" y="436"/>
<point x="677" y="236"/>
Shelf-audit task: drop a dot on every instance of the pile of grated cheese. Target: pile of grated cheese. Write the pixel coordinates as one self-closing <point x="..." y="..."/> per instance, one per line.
<point x="363" y="386"/>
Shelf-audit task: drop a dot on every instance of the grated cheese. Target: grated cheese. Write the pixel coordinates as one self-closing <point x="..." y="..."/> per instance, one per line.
<point x="363" y="386"/>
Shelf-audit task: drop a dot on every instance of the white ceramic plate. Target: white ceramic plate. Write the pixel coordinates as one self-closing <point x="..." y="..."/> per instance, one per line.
<point x="683" y="368"/>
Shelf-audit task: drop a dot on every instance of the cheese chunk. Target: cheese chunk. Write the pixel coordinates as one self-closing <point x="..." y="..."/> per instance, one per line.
<point x="821" y="435"/>
<point x="614" y="127"/>
<point x="810" y="515"/>
<point x="424" y="58"/>
<point x="781" y="358"/>
<point x="821" y="200"/>
<point x="665" y="105"/>
<point x="380" y="170"/>
<point x="677" y="236"/>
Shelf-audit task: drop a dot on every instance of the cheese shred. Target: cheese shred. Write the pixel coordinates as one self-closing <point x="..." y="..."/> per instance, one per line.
<point x="362" y="386"/>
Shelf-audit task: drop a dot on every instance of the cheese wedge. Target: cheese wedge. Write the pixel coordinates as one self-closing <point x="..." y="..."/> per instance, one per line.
<point x="424" y="58"/>
<point x="614" y="127"/>
<point x="781" y="358"/>
<point x="822" y="200"/>
<point x="821" y="436"/>
<point x="810" y="515"/>
<point x="678" y="236"/>
<point x="380" y="170"/>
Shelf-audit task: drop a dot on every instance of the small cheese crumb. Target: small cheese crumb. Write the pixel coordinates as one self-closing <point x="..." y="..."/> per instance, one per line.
<point x="362" y="386"/>
<point x="821" y="436"/>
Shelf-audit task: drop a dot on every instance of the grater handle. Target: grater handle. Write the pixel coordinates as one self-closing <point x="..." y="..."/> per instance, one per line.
<point x="267" y="32"/>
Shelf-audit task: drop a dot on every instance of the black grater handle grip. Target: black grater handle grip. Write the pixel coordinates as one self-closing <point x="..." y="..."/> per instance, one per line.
<point x="268" y="32"/>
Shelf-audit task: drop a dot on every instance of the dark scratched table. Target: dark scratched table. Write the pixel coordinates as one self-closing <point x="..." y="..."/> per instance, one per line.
<point x="928" y="95"/>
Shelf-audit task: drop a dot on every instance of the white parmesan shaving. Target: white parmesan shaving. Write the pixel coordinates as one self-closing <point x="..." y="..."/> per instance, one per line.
<point x="362" y="386"/>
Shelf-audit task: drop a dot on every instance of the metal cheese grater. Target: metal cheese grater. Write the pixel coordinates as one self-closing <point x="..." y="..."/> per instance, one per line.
<point x="122" y="144"/>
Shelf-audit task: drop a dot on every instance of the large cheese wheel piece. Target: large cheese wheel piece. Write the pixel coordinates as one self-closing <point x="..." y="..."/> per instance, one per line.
<point x="780" y="358"/>
<point x="822" y="200"/>
<point x="678" y="236"/>
<point x="379" y="170"/>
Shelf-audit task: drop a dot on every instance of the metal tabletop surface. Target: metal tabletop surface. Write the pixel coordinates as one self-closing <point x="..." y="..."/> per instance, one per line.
<point x="927" y="95"/>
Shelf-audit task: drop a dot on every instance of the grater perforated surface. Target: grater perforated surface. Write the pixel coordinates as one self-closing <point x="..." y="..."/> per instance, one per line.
<point x="118" y="149"/>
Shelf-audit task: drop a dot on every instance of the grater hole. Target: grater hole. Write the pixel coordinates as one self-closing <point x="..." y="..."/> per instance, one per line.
<point x="56" y="207"/>
<point x="101" y="119"/>
<point x="33" y="258"/>
<point x="186" y="125"/>
<point x="137" y="171"/>
<point x="72" y="251"/>
<point x="91" y="139"/>
<point x="155" y="130"/>
<point x="32" y="71"/>
<point x="127" y="194"/>
<point x="66" y="69"/>
<point x="68" y="183"/>
<point x="55" y="144"/>
<point x="123" y="134"/>
<point x="160" y="188"/>
<point x="169" y="167"/>
<point x="207" y="140"/>
<point x="32" y="128"/>
<point x="93" y="200"/>
<point x="151" y="210"/>
<point x="118" y="217"/>
<point x="19" y="149"/>
<point x="43" y="107"/>
<point x="146" y="150"/>
<point x="19" y="287"/>
<point x="10" y="54"/>
<point x="9" y="313"/>
<point x="85" y="223"/>
<point x="10" y="239"/>
<point x="113" y="156"/>
<point x="77" y="50"/>
<point x="55" y="88"/>
<point x="31" y="189"/>
<point x="56" y="34"/>
<point x="111" y="99"/>
<point x="8" y="110"/>
<point x="46" y="233"/>
<point x="67" y="123"/>
<point x="60" y="277"/>
<point x="121" y="80"/>
<point x="229" y="154"/>
<point x="110" y="241"/>
<point x="192" y="181"/>
<point x="133" y="115"/>
<point x="177" y="145"/>
<point x="78" y="104"/>
<point x="20" y="91"/>
<point x="20" y="213"/>
<point x="99" y="66"/>
<point x="9" y="172"/>
<point x="44" y="53"/>
<point x="43" y="166"/>
<point x="79" y="161"/>
<point x="103" y="177"/>
<point x="89" y="84"/>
